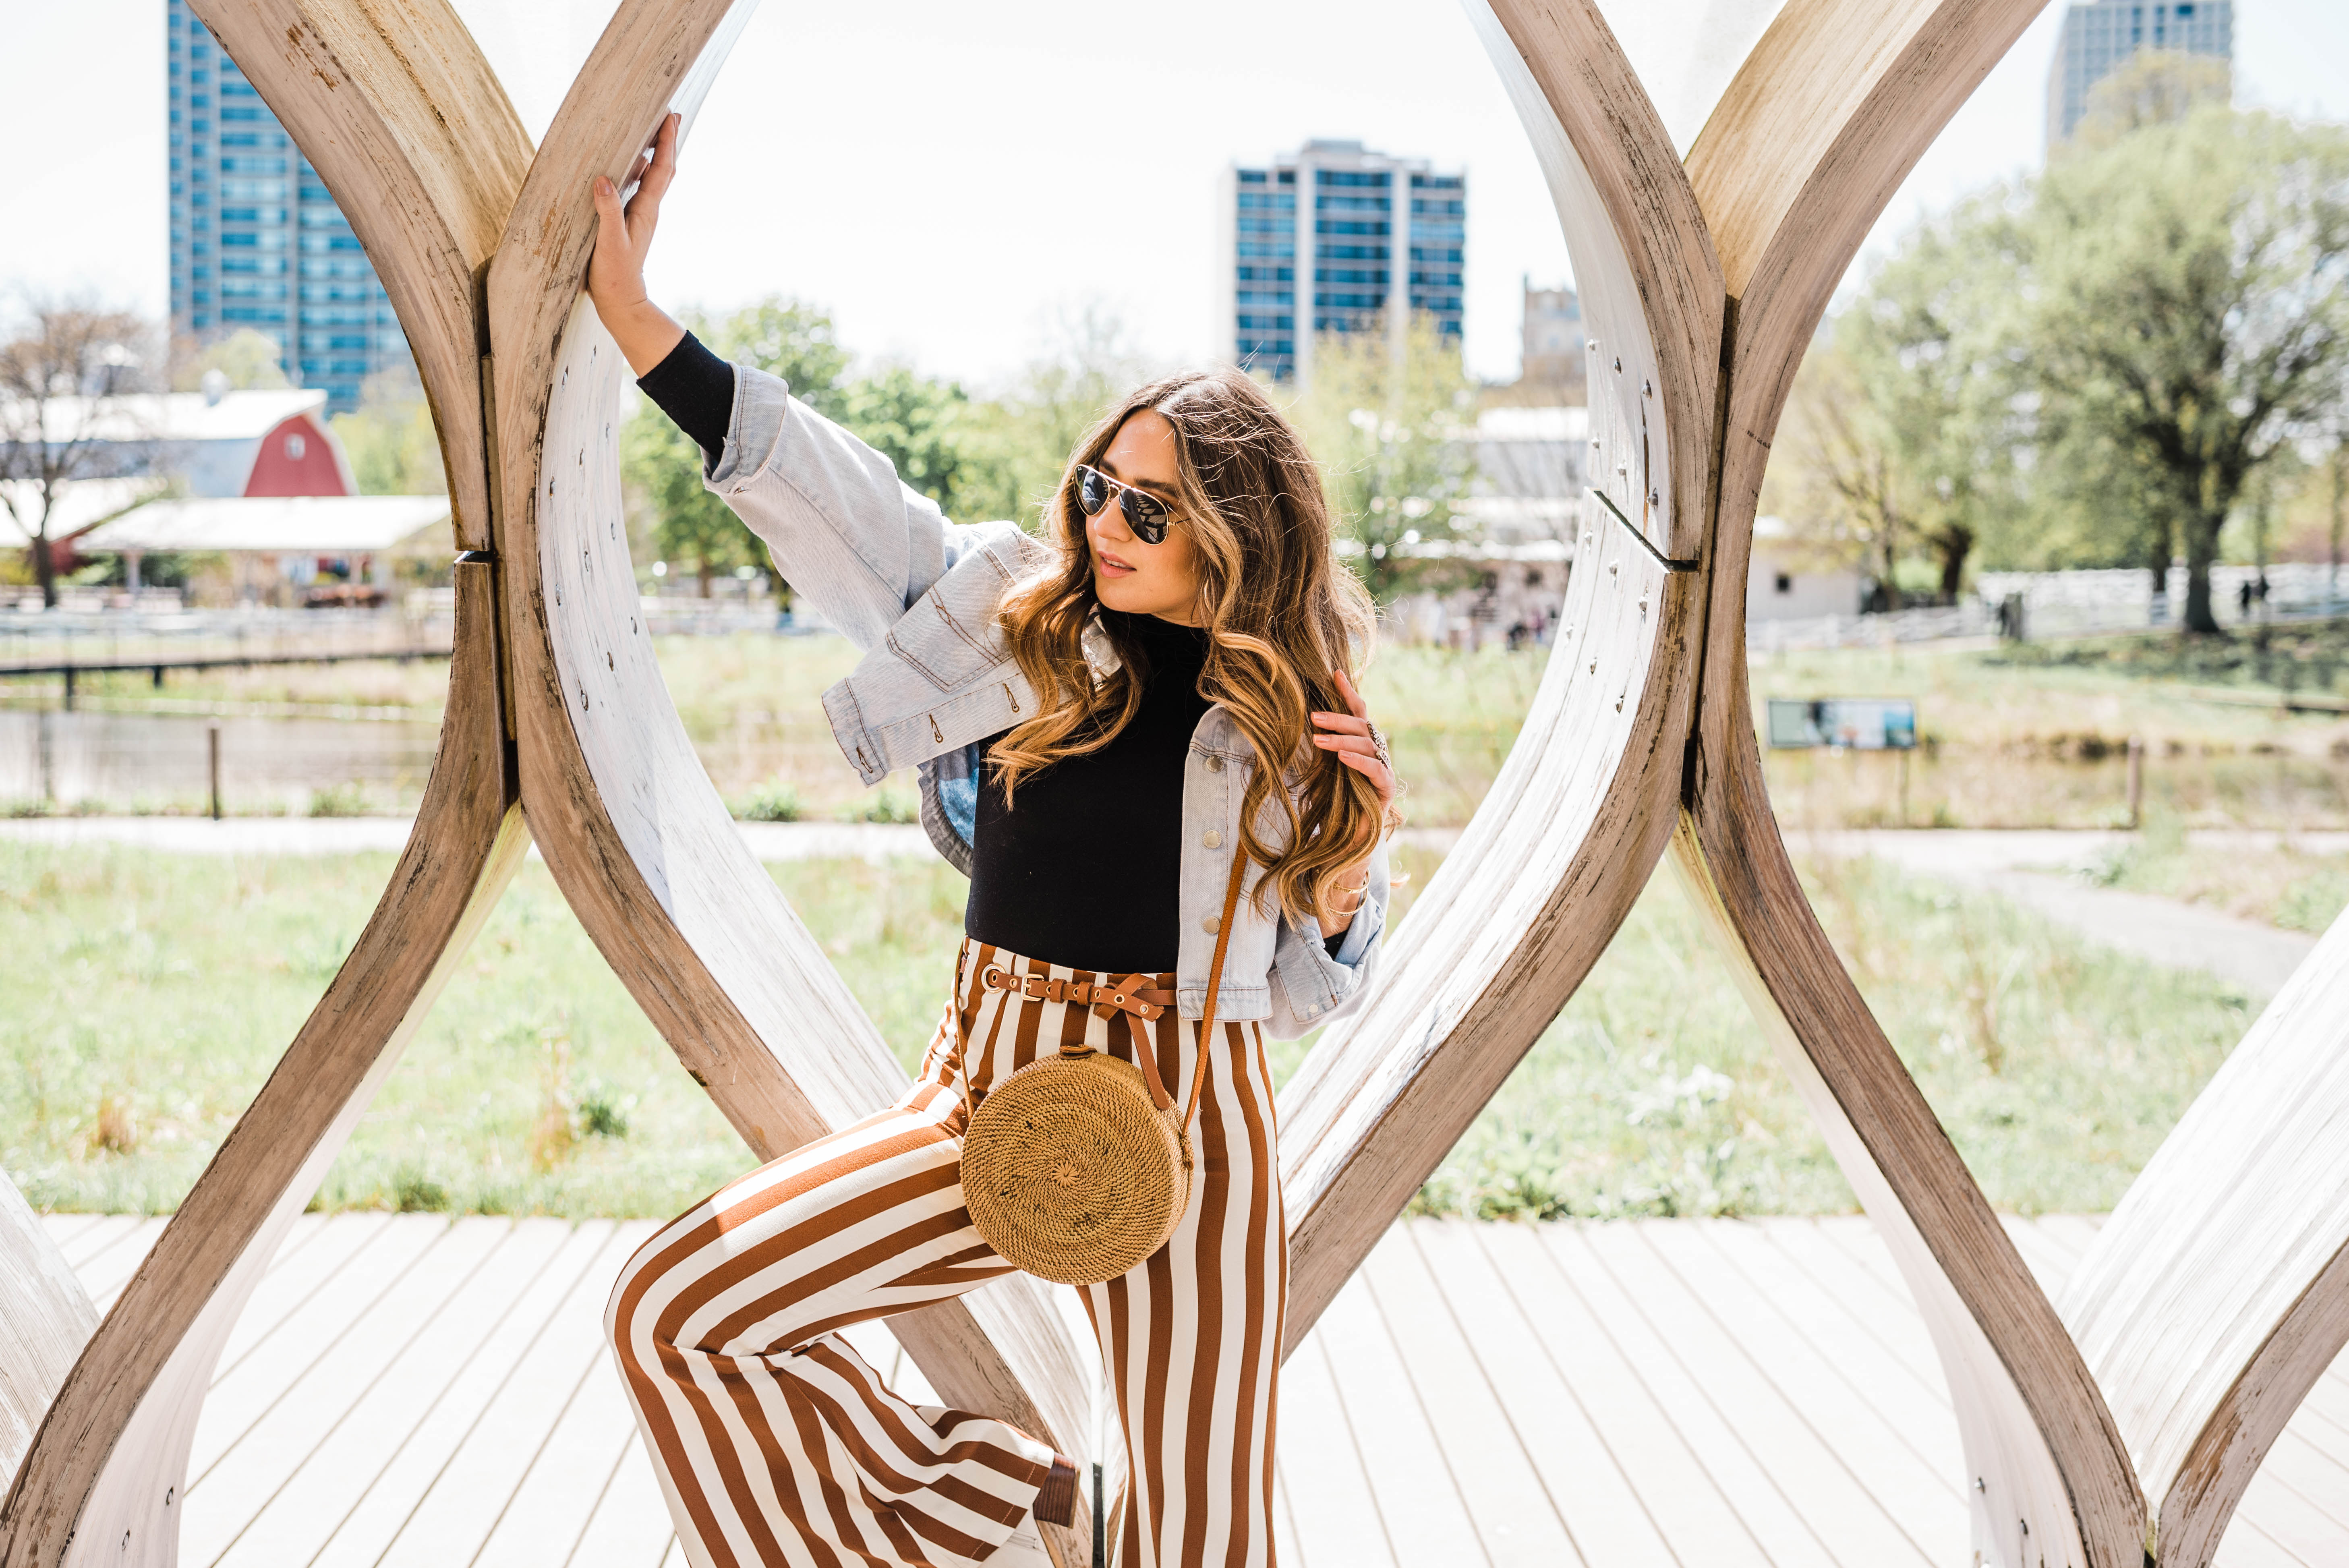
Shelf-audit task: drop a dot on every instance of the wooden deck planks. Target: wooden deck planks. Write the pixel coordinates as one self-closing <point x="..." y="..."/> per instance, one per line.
<point x="1321" y="1474"/>
<point x="1853" y="1526"/>
<point x="105" y="1276"/>
<point x="396" y="1503"/>
<point x="1807" y="1340"/>
<point x="1736" y="1394"/>
<point x="1696" y="1517"/>
<point x="251" y="1385"/>
<point x="630" y="1526"/>
<point x="1879" y="1306"/>
<point x="486" y="1468"/>
<point x="1602" y="1508"/>
<point x="318" y="1398"/>
<point x="1403" y="1461"/>
<point x="300" y="1520"/>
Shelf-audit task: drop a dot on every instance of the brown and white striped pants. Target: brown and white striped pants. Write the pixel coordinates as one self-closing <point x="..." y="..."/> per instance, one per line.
<point x="776" y="1443"/>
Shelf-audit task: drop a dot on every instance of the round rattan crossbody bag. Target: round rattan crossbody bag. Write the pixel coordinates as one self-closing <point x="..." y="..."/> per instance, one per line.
<point x="1077" y="1167"/>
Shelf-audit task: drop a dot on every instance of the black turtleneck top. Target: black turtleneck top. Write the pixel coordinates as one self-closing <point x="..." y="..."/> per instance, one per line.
<point x="1085" y="867"/>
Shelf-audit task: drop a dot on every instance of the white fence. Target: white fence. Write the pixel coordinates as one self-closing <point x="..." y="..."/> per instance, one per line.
<point x="2070" y="605"/>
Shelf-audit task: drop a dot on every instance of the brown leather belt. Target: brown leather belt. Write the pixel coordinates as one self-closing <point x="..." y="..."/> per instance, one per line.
<point x="1118" y="994"/>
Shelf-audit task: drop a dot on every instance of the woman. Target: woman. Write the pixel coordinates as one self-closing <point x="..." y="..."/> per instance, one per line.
<point x="1091" y="716"/>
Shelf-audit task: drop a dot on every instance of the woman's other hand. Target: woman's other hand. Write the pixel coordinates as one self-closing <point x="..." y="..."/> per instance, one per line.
<point x="1355" y="741"/>
<point x="615" y="272"/>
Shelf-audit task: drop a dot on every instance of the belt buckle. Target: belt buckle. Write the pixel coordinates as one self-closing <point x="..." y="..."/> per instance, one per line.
<point x="1032" y="987"/>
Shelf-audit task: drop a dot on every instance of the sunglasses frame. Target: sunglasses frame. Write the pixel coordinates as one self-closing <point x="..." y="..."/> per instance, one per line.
<point x="1150" y="531"/>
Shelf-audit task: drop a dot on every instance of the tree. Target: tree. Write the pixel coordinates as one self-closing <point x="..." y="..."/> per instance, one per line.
<point x="660" y="462"/>
<point x="393" y="445"/>
<point x="247" y="358"/>
<point x="1385" y="430"/>
<point x="918" y="424"/>
<point x="65" y="375"/>
<point x="1017" y="444"/>
<point x="2153" y="86"/>
<point x="2179" y="298"/>
<point x="1898" y="433"/>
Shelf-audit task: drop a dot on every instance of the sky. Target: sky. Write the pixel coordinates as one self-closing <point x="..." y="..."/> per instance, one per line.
<point x="956" y="191"/>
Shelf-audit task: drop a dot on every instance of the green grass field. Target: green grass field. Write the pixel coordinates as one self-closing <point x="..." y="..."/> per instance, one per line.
<point x="149" y="997"/>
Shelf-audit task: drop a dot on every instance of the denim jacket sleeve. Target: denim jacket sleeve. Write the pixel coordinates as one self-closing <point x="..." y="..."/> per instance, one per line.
<point x="1312" y="986"/>
<point x="846" y="533"/>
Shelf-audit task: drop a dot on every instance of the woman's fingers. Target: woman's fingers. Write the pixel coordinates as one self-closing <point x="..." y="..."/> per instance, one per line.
<point x="611" y="228"/>
<point x="1371" y="769"/>
<point x="1357" y="745"/>
<point x="1347" y="723"/>
<point x="1352" y="694"/>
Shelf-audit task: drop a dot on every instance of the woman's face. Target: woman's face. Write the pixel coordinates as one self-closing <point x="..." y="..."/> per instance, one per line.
<point x="1140" y="579"/>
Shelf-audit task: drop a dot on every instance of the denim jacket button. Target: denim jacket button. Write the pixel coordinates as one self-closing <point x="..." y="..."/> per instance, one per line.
<point x="1211" y="924"/>
<point x="1215" y="763"/>
<point x="1212" y="840"/>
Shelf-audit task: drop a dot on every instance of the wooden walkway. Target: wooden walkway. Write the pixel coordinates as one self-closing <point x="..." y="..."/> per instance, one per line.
<point x="407" y="1390"/>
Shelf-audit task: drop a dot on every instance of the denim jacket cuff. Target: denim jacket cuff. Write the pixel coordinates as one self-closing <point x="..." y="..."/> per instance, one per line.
<point x="761" y="402"/>
<point x="1372" y="918"/>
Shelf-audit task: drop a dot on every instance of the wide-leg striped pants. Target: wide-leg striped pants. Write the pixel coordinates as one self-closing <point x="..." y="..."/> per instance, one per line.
<point x="776" y="1443"/>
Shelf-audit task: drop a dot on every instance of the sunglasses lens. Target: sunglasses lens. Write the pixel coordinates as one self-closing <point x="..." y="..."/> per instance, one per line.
<point x="1092" y="492"/>
<point x="1147" y="518"/>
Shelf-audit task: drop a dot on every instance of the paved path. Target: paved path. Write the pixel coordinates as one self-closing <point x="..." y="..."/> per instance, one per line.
<point x="410" y="1392"/>
<point x="2037" y="869"/>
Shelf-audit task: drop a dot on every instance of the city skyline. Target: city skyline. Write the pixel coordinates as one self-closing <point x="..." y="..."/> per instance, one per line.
<point x="256" y="240"/>
<point x="953" y="231"/>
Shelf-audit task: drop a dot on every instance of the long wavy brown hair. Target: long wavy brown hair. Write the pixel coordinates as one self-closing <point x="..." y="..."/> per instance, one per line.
<point x="1280" y="614"/>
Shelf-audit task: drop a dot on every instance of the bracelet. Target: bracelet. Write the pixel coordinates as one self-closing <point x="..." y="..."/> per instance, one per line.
<point x="1361" y="892"/>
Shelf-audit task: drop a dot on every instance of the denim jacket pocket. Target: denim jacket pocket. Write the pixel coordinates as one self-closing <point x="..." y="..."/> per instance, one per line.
<point x="930" y="640"/>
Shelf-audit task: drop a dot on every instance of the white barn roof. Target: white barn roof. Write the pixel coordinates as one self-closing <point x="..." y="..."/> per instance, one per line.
<point x="80" y="503"/>
<point x="274" y="525"/>
<point x="178" y="416"/>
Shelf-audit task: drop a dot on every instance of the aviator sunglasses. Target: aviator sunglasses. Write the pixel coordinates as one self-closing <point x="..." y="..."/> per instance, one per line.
<point x="1145" y="513"/>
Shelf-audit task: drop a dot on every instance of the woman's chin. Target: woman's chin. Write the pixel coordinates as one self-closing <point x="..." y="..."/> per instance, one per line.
<point x="1120" y="592"/>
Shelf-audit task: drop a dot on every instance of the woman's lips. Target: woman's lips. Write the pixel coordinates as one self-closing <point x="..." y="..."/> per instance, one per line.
<point x="1104" y="562"/>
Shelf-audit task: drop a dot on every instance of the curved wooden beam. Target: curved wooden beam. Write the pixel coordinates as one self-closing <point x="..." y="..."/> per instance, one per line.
<point x="1813" y="137"/>
<point x="621" y="807"/>
<point x="112" y="1453"/>
<point x="46" y="1318"/>
<point x="393" y="105"/>
<point x="2219" y="1290"/>
<point x="1573" y="827"/>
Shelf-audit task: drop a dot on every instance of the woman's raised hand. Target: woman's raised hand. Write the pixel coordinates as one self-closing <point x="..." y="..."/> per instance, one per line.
<point x="615" y="272"/>
<point x="1355" y="741"/>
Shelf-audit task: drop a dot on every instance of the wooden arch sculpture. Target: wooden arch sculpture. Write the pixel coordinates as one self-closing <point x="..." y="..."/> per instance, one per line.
<point x="2119" y="1432"/>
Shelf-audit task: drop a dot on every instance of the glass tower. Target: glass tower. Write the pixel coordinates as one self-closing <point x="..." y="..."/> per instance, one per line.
<point x="1333" y="237"/>
<point x="2099" y="36"/>
<point x="256" y="242"/>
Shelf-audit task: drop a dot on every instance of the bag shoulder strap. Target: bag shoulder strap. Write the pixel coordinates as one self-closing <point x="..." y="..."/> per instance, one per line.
<point x="1216" y="983"/>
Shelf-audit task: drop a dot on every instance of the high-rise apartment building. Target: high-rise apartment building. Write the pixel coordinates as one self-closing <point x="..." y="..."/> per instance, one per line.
<point x="2099" y="36"/>
<point x="255" y="239"/>
<point x="1335" y="239"/>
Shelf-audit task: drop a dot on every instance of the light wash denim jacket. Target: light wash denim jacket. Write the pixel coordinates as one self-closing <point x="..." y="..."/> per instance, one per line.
<point x="919" y="594"/>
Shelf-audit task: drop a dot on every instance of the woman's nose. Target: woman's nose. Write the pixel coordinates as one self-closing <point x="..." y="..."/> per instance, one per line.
<point x="1108" y="523"/>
